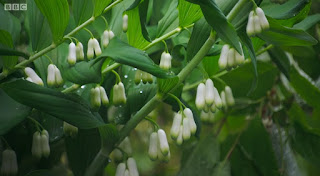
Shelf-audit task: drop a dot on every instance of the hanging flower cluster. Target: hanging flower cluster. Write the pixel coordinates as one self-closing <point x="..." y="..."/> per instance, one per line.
<point x="106" y="37"/>
<point x="208" y="98"/>
<point x="158" y="146"/>
<point x="40" y="144"/>
<point x="54" y="78"/>
<point x="127" y="169"/>
<point x="257" y="22"/>
<point x="9" y="162"/>
<point x="183" y="126"/>
<point x="98" y="95"/>
<point x="165" y="61"/>
<point x="144" y="77"/>
<point x="229" y="57"/>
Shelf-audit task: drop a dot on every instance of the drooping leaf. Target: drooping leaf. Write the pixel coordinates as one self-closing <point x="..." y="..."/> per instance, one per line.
<point x="5" y="45"/>
<point x="188" y="13"/>
<point x="82" y="10"/>
<point x="69" y="108"/>
<point x="219" y="22"/>
<point x="284" y="36"/>
<point x="304" y="86"/>
<point x="133" y="57"/>
<point x="12" y="112"/>
<point x="308" y="22"/>
<point x="57" y="14"/>
<point x="99" y="6"/>
<point x="40" y="32"/>
<point x="200" y="34"/>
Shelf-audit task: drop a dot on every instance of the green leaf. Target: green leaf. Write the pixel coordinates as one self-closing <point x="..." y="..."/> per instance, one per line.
<point x="82" y="10"/>
<point x="254" y="158"/>
<point x="304" y="86"/>
<point x="65" y="107"/>
<point x="284" y="36"/>
<point x="165" y="85"/>
<point x="280" y="58"/>
<point x="188" y="13"/>
<point x="266" y="73"/>
<point x="133" y="57"/>
<point x="134" y="33"/>
<point x="200" y="34"/>
<point x="40" y="33"/>
<point x="82" y="149"/>
<point x="304" y="139"/>
<point x="202" y="158"/>
<point x="308" y="22"/>
<point x="6" y="51"/>
<point x="57" y="14"/>
<point x="219" y="22"/>
<point x="99" y="6"/>
<point x="12" y="112"/>
<point x="40" y="173"/>
<point x="10" y="23"/>
<point x="109" y="136"/>
<point x="6" y="44"/>
<point x="170" y="20"/>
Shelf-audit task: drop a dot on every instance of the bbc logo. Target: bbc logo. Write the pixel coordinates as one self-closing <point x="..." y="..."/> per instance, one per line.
<point x="8" y="6"/>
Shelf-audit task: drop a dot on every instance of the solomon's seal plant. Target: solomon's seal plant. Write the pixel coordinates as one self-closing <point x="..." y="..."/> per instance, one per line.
<point x="198" y="87"/>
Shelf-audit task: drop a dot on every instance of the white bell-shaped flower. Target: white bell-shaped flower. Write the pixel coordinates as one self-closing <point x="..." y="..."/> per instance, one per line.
<point x="90" y="51"/>
<point x="180" y="138"/>
<point x="209" y="93"/>
<point x="58" y="77"/>
<point x="250" y="25"/>
<point x="153" y="146"/>
<point x="132" y="167"/>
<point x="105" y="39"/>
<point x="223" y="57"/>
<point x="200" y="97"/>
<point x="95" y="97"/>
<point x="72" y="57"/>
<point x="45" y="147"/>
<point x="229" y="96"/>
<point x="121" y="168"/>
<point x="186" y="133"/>
<point x="96" y="47"/>
<point x="189" y="115"/>
<point x="262" y="18"/>
<point x="9" y="162"/>
<point x="125" y="23"/>
<point x="33" y="75"/>
<point x="36" y="148"/>
<point x="177" y="119"/>
<point x="51" y="78"/>
<point x="217" y="98"/>
<point x="165" y="61"/>
<point x="79" y="51"/>
<point x="163" y="142"/>
<point x="103" y="96"/>
<point x="119" y="94"/>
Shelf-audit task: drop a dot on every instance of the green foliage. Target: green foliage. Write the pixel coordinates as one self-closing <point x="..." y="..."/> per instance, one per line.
<point x="99" y="6"/>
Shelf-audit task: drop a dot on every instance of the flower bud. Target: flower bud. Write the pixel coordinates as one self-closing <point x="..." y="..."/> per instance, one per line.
<point x="223" y="60"/>
<point x="69" y="130"/>
<point x="200" y="97"/>
<point x="180" y="138"/>
<point x="33" y="75"/>
<point x="9" y="162"/>
<point x="105" y="39"/>
<point x="231" y="57"/>
<point x="90" y="51"/>
<point x="103" y="96"/>
<point x="186" y="133"/>
<point x="45" y="132"/>
<point x="51" y="78"/>
<point x="250" y="25"/>
<point x="257" y="26"/>
<point x="165" y="61"/>
<point x="217" y="99"/>
<point x="96" y="47"/>
<point x="79" y="51"/>
<point x="120" y="169"/>
<point x="72" y="58"/>
<point x="229" y="96"/>
<point x="125" y="23"/>
<point x="174" y="132"/>
<point x="189" y="115"/>
<point x="125" y="145"/>
<point x="132" y="167"/>
<point x="262" y="18"/>
<point x="149" y="78"/>
<point x="95" y="98"/>
<point x="163" y="142"/>
<point x="209" y="94"/>
<point x="44" y="139"/>
<point x="36" y="149"/>
<point x="153" y="146"/>
<point x="122" y="94"/>
<point x="58" y="77"/>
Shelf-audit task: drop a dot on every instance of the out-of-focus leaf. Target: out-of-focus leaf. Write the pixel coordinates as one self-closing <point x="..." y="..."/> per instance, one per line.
<point x="40" y="173"/>
<point x="284" y="36"/>
<point x="219" y="22"/>
<point x="165" y="85"/>
<point x="6" y="44"/>
<point x="6" y="51"/>
<point x="133" y="57"/>
<point x="169" y="20"/>
<point x="57" y="14"/>
<point x="281" y="60"/>
<point x="40" y="32"/>
<point x="287" y="10"/>
<point x="308" y="22"/>
<point x="12" y="112"/>
<point x="10" y="23"/>
<point x="69" y="108"/>
<point x="188" y="13"/>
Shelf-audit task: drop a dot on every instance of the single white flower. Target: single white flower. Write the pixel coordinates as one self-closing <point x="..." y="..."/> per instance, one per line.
<point x="186" y="133"/>
<point x="177" y="119"/>
<point x="153" y="146"/>
<point x="79" y="51"/>
<point x="103" y="96"/>
<point x="120" y="169"/>
<point x="223" y="57"/>
<point x="72" y="57"/>
<point x="229" y="96"/>
<point x="163" y="142"/>
<point x="189" y="115"/>
<point x="209" y="93"/>
<point x="33" y="75"/>
<point x="125" y="23"/>
<point x="200" y="97"/>
<point x="132" y="167"/>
